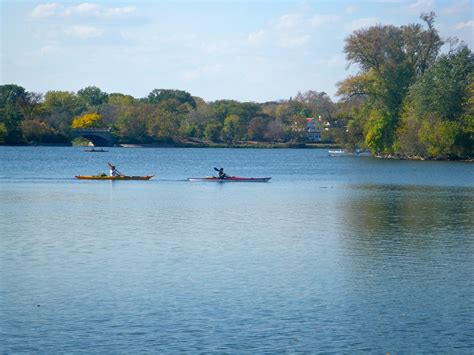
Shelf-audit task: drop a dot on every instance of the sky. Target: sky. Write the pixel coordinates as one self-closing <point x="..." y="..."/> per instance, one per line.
<point x="261" y="50"/>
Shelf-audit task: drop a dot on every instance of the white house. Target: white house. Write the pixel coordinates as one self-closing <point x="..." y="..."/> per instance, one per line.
<point x="313" y="132"/>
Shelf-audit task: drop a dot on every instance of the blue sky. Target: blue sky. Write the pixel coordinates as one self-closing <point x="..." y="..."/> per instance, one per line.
<point x="236" y="49"/>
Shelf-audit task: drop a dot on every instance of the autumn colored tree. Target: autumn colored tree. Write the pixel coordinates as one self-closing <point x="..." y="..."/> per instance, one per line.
<point x="390" y="59"/>
<point x="319" y="103"/>
<point x="37" y="131"/>
<point x="256" y="129"/>
<point x="88" y="120"/>
<point x="232" y="129"/>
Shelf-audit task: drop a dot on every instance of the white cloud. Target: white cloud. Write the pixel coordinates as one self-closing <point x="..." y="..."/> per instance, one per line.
<point x="256" y="37"/>
<point x="203" y="72"/>
<point x="335" y="61"/>
<point x="83" y="9"/>
<point x="84" y="32"/>
<point x="218" y="47"/>
<point x="45" y="50"/>
<point x="289" y="21"/>
<point x="320" y="20"/>
<point x="458" y="7"/>
<point x="421" y="6"/>
<point x="464" y="25"/>
<point x="46" y="10"/>
<point x="350" y="9"/>
<point x="289" y="41"/>
<point x="113" y="11"/>
<point x="361" y="23"/>
<point x="290" y="31"/>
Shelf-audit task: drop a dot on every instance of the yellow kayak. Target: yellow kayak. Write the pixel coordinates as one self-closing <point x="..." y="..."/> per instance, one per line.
<point x="106" y="177"/>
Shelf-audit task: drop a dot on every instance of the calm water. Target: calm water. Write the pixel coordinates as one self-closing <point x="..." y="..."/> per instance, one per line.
<point x="333" y="255"/>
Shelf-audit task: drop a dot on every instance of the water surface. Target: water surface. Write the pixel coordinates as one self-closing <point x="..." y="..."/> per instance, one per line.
<point x="334" y="254"/>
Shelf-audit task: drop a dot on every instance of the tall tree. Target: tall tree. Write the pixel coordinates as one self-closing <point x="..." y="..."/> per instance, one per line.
<point x="232" y="130"/>
<point x="437" y="118"/>
<point x="92" y="96"/>
<point x="319" y="102"/>
<point x="182" y="97"/>
<point x="60" y="109"/>
<point x="390" y="59"/>
<point x="11" y="96"/>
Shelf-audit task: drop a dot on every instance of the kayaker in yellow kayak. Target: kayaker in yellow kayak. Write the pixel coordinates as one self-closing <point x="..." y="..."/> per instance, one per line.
<point x="113" y="170"/>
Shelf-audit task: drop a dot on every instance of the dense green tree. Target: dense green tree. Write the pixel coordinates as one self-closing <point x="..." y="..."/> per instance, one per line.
<point x="212" y="130"/>
<point x="3" y="133"/>
<point x="437" y="119"/>
<point x="11" y="98"/>
<point x="189" y="129"/>
<point x="162" y="126"/>
<point x="60" y="107"/>
<point x="92" y="96"/>
<point x="193" y="125"/>
<point x="130" y="125"/>
<point x="390" y="59"/>
<point x="232" y="129"/>
<point x="31" y="105"/>
<point x="64" y="103"/>
<point x="181" y="97"/>
<point x="245" y="110"/>
<point x="118" y="99"/>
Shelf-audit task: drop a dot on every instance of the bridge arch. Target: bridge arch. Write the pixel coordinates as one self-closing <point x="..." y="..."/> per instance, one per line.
<point x="98" y="137"/>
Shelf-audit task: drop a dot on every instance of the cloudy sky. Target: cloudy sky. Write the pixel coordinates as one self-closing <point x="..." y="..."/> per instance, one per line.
<point x="259" y="50"/>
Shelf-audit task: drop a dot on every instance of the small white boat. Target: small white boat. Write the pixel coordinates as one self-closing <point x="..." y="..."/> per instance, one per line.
<point x="337" y="153"/>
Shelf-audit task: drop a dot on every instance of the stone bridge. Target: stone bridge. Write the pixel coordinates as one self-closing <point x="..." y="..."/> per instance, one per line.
<point x="99" y="137"/>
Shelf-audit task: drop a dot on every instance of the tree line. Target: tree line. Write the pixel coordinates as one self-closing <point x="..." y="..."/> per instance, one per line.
<point x="413" y="101"/>
<point x="164" y="116"/>
<point x="408" y="99"/>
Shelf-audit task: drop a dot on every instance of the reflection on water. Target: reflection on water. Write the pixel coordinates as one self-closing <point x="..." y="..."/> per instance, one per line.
<point x="331" y="255"/>
<point x="414" y="213"/>
<point x="411" y="249"/>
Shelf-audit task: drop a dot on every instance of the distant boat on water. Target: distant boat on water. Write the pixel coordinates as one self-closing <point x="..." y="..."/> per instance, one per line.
<point x="96" y="150"/>
<point x="130" y="145"/>
<point x="337" y="153"/>
<point x="345" y="153"/>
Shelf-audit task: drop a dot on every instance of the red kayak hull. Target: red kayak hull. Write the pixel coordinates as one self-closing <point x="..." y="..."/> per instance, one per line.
<point x="230" y="179"/>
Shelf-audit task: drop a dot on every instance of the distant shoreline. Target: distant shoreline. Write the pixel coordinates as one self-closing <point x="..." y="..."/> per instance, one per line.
<point x="247" y="145"/>
<point x="258" y="145"/>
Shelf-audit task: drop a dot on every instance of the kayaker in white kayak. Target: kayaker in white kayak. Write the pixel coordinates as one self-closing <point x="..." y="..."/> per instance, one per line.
<point x="113" y="170"/>
<point x="221" y="174"/>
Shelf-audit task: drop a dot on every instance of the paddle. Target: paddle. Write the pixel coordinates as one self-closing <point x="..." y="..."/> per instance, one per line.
<point x="113" y="168"/>
<point x="223" y="177"/>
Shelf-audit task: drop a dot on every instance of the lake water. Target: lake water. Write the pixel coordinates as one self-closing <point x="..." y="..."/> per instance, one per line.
<point x="336" y="254"/>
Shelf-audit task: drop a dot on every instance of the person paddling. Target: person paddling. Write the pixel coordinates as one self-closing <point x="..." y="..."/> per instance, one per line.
<point x="221" y="174"/>
<point x="113" y="170"/>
